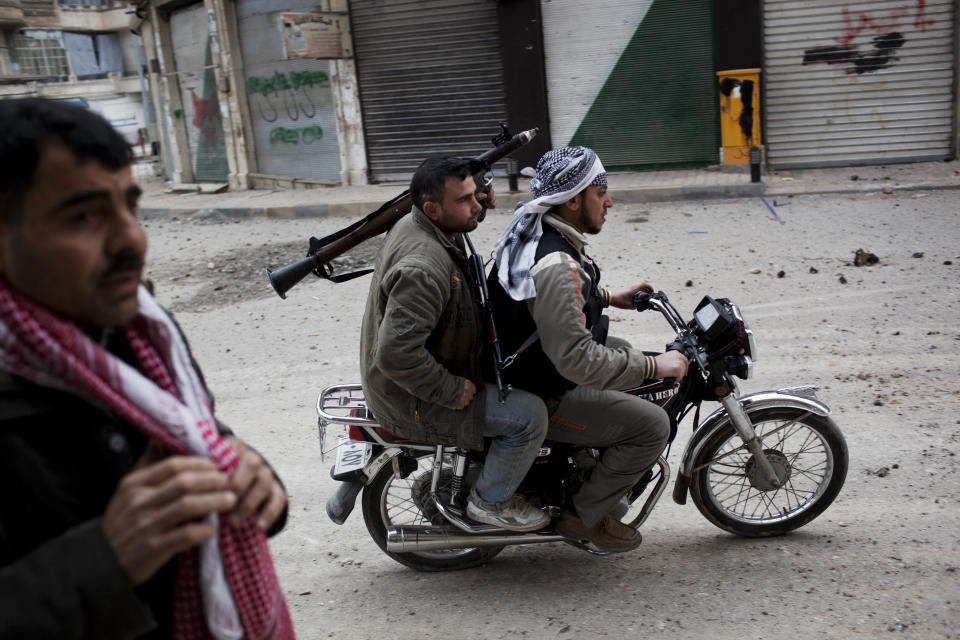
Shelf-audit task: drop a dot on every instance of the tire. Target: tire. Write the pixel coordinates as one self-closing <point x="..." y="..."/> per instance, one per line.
<point x="390" y="501"/>
<point x="809" y="454"/>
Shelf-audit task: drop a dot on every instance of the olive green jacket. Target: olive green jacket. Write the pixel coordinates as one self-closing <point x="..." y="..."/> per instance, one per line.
<point x="421" y="336"/>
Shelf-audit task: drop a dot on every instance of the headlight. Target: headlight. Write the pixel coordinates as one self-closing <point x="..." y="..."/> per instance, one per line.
<point x="751" y="346"/>
<point x="740" y="366"/>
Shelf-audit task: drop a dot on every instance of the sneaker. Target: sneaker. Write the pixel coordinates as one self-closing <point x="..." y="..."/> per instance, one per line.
<point x="607" y="535"/>
<point x="514" y="513"/>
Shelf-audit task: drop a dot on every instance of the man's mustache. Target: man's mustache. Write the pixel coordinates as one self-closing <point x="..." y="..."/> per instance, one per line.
<point x="120" y="265"/>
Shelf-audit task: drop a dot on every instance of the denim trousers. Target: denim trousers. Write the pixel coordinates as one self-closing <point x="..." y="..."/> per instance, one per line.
<point x="518" y="427"/>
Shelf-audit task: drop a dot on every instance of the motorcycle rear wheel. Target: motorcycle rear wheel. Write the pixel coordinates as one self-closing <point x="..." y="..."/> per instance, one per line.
<point x="392" y="501"/>
<point x="807" y="451"/>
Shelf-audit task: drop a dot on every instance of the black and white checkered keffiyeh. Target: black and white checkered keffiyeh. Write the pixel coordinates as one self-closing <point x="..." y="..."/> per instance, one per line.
<point x="561" y="174"/>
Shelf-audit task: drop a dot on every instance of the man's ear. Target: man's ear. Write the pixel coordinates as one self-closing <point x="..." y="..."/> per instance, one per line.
<point x="432" y="210"/>
<point x="573" y="204"/>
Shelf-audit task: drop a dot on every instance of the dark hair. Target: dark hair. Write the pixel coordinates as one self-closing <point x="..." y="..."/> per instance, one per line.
<point x="431" y="176"/>
<point x="28" y="125"/>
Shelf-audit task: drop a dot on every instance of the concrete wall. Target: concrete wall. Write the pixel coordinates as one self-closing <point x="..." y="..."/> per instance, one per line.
<point x="118" y="97"/>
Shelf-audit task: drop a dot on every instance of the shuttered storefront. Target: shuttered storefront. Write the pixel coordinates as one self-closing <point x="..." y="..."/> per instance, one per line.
<point x="431" y="80"/>
<point x="633" y="80"/>
<point x="292" y="113"/>
<point x="197" y="83"/>
<point x="857" y="83"/>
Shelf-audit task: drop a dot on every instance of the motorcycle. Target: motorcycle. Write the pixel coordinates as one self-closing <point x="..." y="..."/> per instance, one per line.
<point x="762" y="464"/>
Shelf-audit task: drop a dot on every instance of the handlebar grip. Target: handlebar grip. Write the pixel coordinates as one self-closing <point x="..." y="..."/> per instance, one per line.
<point x="641" y="301"/>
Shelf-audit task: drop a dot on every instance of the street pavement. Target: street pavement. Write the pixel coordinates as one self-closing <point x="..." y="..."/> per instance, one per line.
<point x="625" y="187"/>
<point x="881" y="341"/>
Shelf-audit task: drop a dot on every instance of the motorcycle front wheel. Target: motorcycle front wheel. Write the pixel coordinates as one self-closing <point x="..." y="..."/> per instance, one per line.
<point x="808" y="453"/>
<point x="391" y="501"/>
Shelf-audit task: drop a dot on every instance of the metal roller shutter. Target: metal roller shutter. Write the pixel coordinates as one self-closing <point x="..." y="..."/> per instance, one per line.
<point x="292" y="114"/>
<point x="634" y="80"/>
<point x="857" y="83"/>
<point x="431" y="80"/>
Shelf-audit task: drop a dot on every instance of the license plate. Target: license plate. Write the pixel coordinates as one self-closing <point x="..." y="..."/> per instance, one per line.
<point x="351" y="456"/>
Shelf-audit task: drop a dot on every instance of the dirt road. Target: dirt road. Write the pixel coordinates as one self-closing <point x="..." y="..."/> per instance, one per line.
<point x="882" y="341"/>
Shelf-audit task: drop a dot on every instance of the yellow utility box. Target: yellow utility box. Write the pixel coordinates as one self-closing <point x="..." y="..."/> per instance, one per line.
<point x="739" y="91"/>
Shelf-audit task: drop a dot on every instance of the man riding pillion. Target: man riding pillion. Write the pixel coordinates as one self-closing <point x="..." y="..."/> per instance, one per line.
<point x="421" y="345"/>
<point x="548" y="306"/>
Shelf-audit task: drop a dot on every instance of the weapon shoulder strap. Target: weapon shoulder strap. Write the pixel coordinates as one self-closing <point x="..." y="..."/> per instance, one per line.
<point x="326" y="270"/>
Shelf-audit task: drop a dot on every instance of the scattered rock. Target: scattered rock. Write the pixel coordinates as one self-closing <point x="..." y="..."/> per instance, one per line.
<point x="861" y="258"/>
<point x="888" y="190"/>
<point x="781" y="273"/>
<point x="854" y="178"/>
<point x="918" y="254"/>
<point x="813" y="270"/>
<point x="689" y="283"/>
<point x="842" y="280"/>
<point x="756" y="271"/>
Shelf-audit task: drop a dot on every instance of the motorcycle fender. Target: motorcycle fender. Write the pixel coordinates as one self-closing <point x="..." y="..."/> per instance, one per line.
<point x="801" y="398"/>
<point x="373" y="467"/>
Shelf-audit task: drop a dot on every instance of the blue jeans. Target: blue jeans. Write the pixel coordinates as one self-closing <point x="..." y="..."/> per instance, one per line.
<point x="518" y="427"/>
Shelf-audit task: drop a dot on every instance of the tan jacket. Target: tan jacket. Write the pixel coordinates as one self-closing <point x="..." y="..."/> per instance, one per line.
<point x="557" y="311"/>
<point x="421" y="336"/>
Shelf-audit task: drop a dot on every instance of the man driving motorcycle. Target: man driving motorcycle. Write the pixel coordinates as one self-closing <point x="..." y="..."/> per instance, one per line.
<point x="421" y="347"/>
<point x="548" y="306"/>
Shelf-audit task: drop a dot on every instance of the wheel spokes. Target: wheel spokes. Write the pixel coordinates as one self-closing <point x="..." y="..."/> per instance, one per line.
<point x="801" y="448"/>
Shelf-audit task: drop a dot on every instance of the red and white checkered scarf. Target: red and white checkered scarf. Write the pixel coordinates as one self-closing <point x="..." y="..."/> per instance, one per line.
<point x="227" y="588"/>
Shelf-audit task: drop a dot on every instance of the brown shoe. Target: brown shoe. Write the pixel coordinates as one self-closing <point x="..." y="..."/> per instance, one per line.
<point x="607" y="535"/>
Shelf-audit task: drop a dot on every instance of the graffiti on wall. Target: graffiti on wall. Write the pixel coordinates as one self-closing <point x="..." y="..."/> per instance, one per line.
<point x="880" y="53"/>
<point x="289" y="92"/>
<point x="306" y="135"/>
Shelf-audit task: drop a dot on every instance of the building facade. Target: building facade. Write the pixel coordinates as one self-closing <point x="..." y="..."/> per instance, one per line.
<point x="301" y="93"/>
<point x="82" y="51"/>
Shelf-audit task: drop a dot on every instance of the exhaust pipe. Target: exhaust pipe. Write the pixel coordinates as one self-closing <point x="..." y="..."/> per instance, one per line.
<point x="420" y="538"/>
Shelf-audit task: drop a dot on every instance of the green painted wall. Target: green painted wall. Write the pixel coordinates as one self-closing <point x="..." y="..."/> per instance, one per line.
<point x="659" y="105"/>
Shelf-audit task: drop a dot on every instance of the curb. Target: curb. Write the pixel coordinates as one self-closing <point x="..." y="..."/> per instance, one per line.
<point x="507" y="201"/>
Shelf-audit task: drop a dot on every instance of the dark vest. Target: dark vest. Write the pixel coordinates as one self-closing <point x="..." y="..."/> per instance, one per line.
<point x="531" y="370"/>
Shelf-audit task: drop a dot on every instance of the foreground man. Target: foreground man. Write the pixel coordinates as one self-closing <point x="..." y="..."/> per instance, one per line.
<point x="421" y="342"/>
<point x="548" y="306"/>
<point x="127" y="510"/>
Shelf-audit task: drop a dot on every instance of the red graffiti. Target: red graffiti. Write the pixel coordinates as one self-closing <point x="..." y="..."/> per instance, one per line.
<point x="857" y="23"/>
<point x="206" y="116"/>
<point x="920" y="22"/>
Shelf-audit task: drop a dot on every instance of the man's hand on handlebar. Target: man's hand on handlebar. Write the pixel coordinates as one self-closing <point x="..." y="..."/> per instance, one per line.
<point x="672" y="364"/>
<point x="623" y="298"/>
